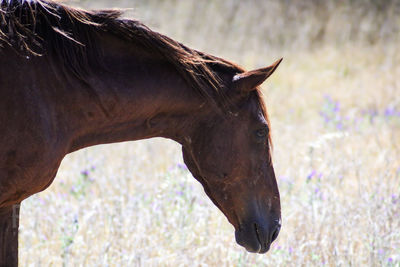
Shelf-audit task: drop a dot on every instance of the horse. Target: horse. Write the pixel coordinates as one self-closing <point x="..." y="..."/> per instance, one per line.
<point x="72" y="78"/>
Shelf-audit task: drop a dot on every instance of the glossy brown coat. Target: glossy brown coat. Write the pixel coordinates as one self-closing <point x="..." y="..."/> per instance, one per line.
<point x="70" y="79"/>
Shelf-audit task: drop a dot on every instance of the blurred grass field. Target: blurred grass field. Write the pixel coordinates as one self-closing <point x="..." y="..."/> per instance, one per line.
<point x="334" y="105"/>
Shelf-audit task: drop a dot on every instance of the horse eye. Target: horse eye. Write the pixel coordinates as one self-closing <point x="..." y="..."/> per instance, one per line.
<point x="261" y="133"/>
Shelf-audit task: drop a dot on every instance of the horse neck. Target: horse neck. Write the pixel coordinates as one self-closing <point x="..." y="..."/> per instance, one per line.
<point x="140" y="96"/>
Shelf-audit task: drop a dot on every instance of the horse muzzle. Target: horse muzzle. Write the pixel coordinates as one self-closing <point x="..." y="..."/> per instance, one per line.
<point x="256" y="236"/>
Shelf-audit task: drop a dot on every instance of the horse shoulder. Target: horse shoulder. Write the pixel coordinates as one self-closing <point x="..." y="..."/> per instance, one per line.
<point x="31" y="144"/>
<point x="25" y="171"/>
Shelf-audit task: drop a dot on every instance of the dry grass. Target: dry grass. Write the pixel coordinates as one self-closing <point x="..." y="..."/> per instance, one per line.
<point x="335" y="112"/>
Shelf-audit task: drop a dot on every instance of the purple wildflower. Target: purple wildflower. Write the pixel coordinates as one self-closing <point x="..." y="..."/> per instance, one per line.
<point x="373" y="112"/>
<point x="336" y="107"/>
<point x="325" y="117"/>
<point x="182" y="166"/>
<point x="389" y="112"/>
<point x="339" y="126"/>
<point x="311" y="175"/>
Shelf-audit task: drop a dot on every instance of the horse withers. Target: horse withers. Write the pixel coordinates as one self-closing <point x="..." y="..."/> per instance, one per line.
<point x="70" y="79"/>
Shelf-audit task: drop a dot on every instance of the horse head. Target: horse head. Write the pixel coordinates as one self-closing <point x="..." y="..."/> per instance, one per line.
<point x="229" y="154"/>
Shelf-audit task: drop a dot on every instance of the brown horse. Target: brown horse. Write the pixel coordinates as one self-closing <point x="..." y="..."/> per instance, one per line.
<point x="70" y="79"/>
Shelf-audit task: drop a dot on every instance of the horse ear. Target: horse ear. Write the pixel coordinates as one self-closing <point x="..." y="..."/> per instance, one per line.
<point x="248" y="81"/>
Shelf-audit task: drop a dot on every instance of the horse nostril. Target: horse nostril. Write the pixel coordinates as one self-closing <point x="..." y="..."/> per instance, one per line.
<point x="275" y="234"/>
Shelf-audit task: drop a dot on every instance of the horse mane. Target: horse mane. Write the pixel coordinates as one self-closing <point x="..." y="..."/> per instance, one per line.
<point x="38" y="27"/>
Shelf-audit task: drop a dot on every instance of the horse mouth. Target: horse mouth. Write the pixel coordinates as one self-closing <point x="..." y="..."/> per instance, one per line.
<point x="263" y="245"/>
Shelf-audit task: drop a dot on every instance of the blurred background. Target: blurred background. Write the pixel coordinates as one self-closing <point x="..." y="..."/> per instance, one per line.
<point x="334" y="105"/>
